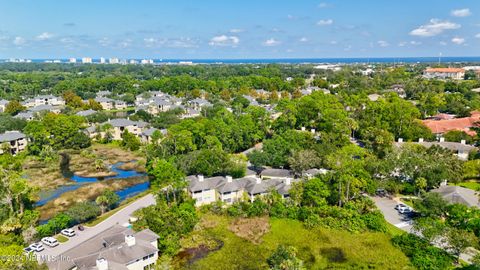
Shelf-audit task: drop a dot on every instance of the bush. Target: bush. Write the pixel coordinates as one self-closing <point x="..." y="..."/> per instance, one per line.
<point x="55" y="225"/>
<point x="84" y="211"/>
<point x="421" y="253"/>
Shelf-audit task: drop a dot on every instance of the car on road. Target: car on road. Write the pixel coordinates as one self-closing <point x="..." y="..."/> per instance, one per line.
<point x="381" y="192"/>
<point x="400" y="205"/>
<point x="28" y="250"/>
<point x="36" y="247"/>
<point x="50" y="241"/>
<point x="68" y="232"/>
<point x="405" y="210"/>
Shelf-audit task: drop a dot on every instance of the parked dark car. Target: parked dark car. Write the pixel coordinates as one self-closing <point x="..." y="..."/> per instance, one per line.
<point x="381" y="192"/>
<point x="80" y="228"/>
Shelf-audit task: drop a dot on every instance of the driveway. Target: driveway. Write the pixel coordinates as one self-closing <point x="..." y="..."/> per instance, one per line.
<point x="120" y="217"/>
<point x="387" y="207"/>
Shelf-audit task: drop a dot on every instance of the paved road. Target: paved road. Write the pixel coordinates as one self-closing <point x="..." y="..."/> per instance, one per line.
<point x="121" y="217"/>
<point x="392" y="216"/>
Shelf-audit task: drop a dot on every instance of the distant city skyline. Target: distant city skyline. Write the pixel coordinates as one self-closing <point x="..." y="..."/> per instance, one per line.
<point x="214" y="29"/>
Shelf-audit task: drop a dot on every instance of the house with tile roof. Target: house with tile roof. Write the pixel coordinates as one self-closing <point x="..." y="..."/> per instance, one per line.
<point x="465" y="124"/>
<point x="444" y="73"/>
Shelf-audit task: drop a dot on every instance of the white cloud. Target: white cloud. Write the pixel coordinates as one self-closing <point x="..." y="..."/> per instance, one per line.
<point x="415" y="43"/>
<point x="383" y="43"/>
<point x="170" y="43"/>
<point x="325" y="22"/>
<point x="271" y="42"/>
<point x="236" y="30"/>
<point x="19" y="41"/>
<point x="458" y="40"/>
<point x="333" y="42"/>
<point x="465" y="12"/>
<point x="45" y="36"/>
<point x="323" y="5"/>
<point x="477" y="35"/>
<point x="443" y="43"/>
<point x="402" y="44"/>
<point x="433" y="28"/>
<point x="303" y="39"/>
<point x="224" y="40"/>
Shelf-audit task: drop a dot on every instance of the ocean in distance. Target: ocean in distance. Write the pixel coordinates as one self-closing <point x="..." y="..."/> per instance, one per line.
<point x="398" y="60"/>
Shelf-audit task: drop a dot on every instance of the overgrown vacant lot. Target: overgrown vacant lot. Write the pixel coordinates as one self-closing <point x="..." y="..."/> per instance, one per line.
<point x="47" y="174"/>
<point x="318" y="248"/>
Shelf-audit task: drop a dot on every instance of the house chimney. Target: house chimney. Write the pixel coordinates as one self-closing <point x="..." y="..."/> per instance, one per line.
<point x="101" y="264"/>
<point x="130" y="240"/>
<point x="303" y="128"/>
<point x="229" y="178"/>
<point x="442" y="139"/>
<point x="420" y="140"/>
<point x="400" y="140"/>
<point x="200" y="178"/>
<point x="312" y="130"/>
<point x="259" y="180"/>
<point x="288" y="181"/>
<point x="463" y="142"/>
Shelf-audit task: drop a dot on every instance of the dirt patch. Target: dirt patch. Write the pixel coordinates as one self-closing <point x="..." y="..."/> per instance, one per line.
<point x="85" y="193"/>
<point x="42" y="174"/>
<point x="101" y="174"/>
<point x="251" y="229"/>
<point x="133" y="166"/>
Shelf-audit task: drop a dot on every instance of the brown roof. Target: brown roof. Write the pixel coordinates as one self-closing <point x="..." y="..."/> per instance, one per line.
<point x="461" y="124"/>
<point x="444" y="70"/>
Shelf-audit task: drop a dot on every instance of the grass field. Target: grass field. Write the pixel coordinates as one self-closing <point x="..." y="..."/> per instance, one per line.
<point x="318" y="248"/>
<point x="469" y="184"/>
<point x="60" y="238"/>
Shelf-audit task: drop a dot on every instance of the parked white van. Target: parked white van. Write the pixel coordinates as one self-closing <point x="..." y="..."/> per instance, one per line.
<point x="50" y="241"/>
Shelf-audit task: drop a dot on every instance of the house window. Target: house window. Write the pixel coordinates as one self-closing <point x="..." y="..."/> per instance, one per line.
<point x="229" y="200"/>
<point x="227" y="193"/>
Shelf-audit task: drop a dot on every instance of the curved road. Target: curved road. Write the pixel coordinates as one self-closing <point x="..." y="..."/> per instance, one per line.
<point x="120" y="217"/>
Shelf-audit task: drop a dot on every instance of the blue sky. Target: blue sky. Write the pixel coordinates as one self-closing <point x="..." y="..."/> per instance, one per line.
<point x="238" y="28"/>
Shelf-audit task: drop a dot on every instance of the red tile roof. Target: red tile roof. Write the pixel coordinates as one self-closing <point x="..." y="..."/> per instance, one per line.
<point x="461" y="124"/>
<point x="444" y="70"/>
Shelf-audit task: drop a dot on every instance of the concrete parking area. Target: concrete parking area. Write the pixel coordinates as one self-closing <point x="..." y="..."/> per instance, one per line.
<point x="392" y="216"/>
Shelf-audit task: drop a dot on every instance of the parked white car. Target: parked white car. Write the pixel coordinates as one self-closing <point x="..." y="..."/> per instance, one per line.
<point x="68" y="232"/>
<point x="405" y="209"/>
<point x="50" y="241"/>
<point x="400" y="205"/>
<point x="36" y="247"/>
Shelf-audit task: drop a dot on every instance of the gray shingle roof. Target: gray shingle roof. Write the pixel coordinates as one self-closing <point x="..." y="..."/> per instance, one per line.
<point x="24" y="115"/>
<point x="43" y="107"/>
<point x="272" y="173"/>
<point x="3" y="102"/>
<point x="86" y="112"/>
<point x="456" y="194"/>
<point x="122" y="122"/>
<point x="454" y="146"/>
<point x="11" y="136"/>
<point x="110" y="245"/>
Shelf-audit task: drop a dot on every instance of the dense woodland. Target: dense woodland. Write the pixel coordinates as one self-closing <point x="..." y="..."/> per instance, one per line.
<point x="354" y="140"/>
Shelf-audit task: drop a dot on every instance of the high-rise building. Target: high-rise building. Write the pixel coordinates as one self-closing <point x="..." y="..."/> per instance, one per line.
<point x="113" y="61"/>
<point x="86" y="60"/>
<point x="72" y="60"/>
<point x="102" y="60"/>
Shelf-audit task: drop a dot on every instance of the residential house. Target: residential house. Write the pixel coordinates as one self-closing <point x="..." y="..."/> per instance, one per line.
<point x="86" y="112"/>
<point x="374" y="97"/>
<point x="3" y="105"/>
<point x="276" y="173"/>
<point x="45" y="108"/>
<point x="190" y="113"/>
<point x="121" y="124"/>
<point x="158" y="104"/>
<point x="25" y="115"/>
<point x="314" y="172"/>
<point x="252" y="100"/>
<point x="15" y="141"/>
<point x="120" y="105"/>
<point x="199" y="103"/>
<point x="146" y="135"/>
<point x="229" y="190"/>
<point x="444" y="73"/>
<point x="117" y="247"/>
<point x="461" y="149"/>
<point x="107" y="103"/>
<point x="44" y="100"/>
<point x="103" y="93"/>
<point x="457" y="194"/>
<point x="465" y="124"/>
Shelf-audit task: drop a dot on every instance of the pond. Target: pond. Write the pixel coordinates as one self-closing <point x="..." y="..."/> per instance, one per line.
<point x="78" y="181"/>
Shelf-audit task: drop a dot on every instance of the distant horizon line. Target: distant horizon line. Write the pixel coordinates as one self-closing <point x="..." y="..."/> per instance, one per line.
<point x="389" y="59"/>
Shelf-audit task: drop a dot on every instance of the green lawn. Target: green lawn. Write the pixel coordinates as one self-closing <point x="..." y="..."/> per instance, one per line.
<point x="318" y="248"/>
<point x="470" y="185"/>
<point x="60" y="238"/>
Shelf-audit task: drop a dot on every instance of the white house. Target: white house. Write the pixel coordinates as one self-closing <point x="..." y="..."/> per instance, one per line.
<point x="444" y="73"/>
<point x="15" y="141"/>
